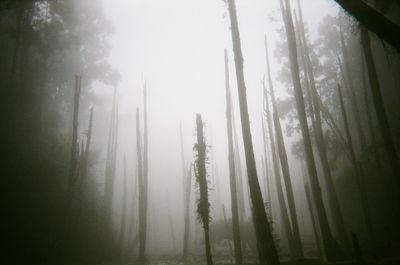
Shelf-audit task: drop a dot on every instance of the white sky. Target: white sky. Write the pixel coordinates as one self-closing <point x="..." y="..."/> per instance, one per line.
<point x="177" y="47"/>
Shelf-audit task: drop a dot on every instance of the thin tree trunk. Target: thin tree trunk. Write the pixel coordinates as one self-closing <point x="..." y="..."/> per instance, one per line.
<point x="373" y="20"/>
<point x="110" y="161"/>
<point x="379" y="105"/>
<point x="232" y="172"/>
<point x="142" y="220"/>
<point x="330" y="187"/>
<point x="314" y="225"/>
<point x="203" y="206"/>
<point x="331" y="249"/>
<point x="124" y="209"/>
<point x="228" y="241"/>
<point x="278" y="182"/>
<point x="298" y="248"/>
<point x="266" y="248"/>
<point x="358" y="173"/>
<point x="145" y="165"/>
<point x="238" y="164"/>
<point x="187" y="214"/>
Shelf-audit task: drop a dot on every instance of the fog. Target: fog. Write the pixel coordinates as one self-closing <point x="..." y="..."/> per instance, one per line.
<point x="82" y="184"/>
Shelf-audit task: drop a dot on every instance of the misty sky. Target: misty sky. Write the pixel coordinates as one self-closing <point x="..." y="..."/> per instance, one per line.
<point x="177" y="47"/>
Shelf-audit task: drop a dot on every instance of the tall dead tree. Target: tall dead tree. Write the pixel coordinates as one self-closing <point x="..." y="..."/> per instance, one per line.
<point x="319" y="135"/>
<point x="123" y="210"/>
<point x="312" y="216"/>
<point x="238" y="165"/>
<point x="73" y="163"/>
<point x="379" y="105"/>
<point x="203" y="206"/>
<point x="265" y="243"/>
<point x="331" y="248"/>
<point x="232" y="172"/>
<point x="111" y="160"/>
<point x="188" y="185"/>
<point x="278" y="182"/>
<point x="144" y="188"/>
<point x="142" y="219"/>
<point x="88" y="134"/>
<point x="298" y="248"/>
<point x="358" y="172"/>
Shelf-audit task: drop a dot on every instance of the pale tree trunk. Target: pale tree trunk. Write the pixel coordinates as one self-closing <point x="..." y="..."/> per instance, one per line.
<point x="319" y="135"/>
<point x="265" y="243"/>
<point x="142" y="220"/>
<point x="187" y="214"/>
<point x="124" y="209"/>
<point x="281" y="198"/>
<point x="232" y="172"/>
<point x="379" y="106"/>
<point x="110" y="169"/>
<point x="331" y="248"/>
<point x="298" y="248"/>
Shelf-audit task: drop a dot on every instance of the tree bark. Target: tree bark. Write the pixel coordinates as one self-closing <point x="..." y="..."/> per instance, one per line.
<point x="232" y="172"/>
<point x="266" y="248"/>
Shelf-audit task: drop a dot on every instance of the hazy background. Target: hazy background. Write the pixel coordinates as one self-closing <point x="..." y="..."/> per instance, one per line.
<point x="176" y="47"/>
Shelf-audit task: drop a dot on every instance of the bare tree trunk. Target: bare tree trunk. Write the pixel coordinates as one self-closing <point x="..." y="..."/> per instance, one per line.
<point x="187" y="214"/>
<point x="331" y="249"/>
<point x="73" y="158"/>
<point x="238" y="165"/>
<point x="358" y="173"/>
<point x="268" y="173"/>
<point x="319" y="135"/>
<point x="373" y="20"/>
<point x="266" y="248"/>
<point x="142" y="220"/>
<point x="145" y="164"/>
<point x="203" y="206"/>
<point x="124" y="209"/>
<point x="228" y="241"/>
<point x="278" y="183"/>
<point x="298" y="248"/>
<point x="314" y="225"/>
<point x="379" y="105"/>
<point x="232" y="172"/>
<point x="110" y="161"/>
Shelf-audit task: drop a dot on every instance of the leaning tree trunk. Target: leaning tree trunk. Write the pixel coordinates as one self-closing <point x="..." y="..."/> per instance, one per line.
<point x="298" y="248"/>
<point x="266" y="248"/>
<point x="203" y="206"/>
<point x="358" y="172"/>
<point x="379" y="105"/>
<point x="312" y="216"/>
<point x="319" y="136"/>
<point x="373" y="20"/>
<point x="232" y="172"/>
<point x="281" y="197"/>
<point x="331" y="248"/>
